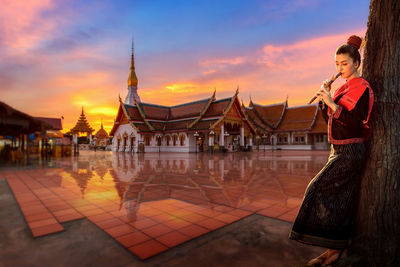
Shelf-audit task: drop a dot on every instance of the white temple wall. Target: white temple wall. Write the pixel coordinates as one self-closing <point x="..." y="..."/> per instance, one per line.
<point x="124" y="129"/>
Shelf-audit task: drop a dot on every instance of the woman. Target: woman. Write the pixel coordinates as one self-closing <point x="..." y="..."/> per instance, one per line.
<point x="327" y="213"/>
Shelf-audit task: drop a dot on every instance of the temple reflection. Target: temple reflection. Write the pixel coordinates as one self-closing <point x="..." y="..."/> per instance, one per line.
<point x="237" y="180"/>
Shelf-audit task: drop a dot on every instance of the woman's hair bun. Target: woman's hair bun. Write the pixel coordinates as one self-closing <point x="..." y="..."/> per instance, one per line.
<point x="354" y="41"/>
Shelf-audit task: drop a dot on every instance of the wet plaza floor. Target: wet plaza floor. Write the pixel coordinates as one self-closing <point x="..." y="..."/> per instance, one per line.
<point x="150" y="203"/>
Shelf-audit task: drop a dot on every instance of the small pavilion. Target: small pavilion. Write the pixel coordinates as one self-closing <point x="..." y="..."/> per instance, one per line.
<point x="81" y="127"/>
<point x="101" y="137"/>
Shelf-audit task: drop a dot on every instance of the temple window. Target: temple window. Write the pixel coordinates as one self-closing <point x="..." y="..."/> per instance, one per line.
<point x="174" y="139"/>
<point x="168" y="139"/>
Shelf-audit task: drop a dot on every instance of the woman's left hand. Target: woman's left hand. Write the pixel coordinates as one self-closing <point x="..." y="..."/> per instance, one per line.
<point x="325" y="95"/>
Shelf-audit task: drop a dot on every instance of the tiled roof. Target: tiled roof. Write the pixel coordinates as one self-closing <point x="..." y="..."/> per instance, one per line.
<point x="133" y="112"/>
<point x="54" y="122"/>
<point x="155" y="111"/>
<point x="217" y="108"/>
<point x="298" y="118"/>
<point x="270" y="114"/>
<point x="177" y="125"/>
<point x="319" y="126"/>
<point x="189" y="109"/>
<point x="255" y="119"/>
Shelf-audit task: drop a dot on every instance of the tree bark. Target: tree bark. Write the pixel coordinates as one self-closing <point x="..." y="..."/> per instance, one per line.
<point x="377" y="232"/>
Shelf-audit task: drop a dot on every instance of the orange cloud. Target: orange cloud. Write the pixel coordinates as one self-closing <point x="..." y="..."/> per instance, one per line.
<point x="25" y="27"/>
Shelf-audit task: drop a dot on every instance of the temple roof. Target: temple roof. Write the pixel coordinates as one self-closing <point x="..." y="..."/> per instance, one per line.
<point x="54" y="122"/>
<point x="101" y="134"/>
<point x="82" y="125"/>
<point x="270" y="115"/>
<point x="299" y="118"/>
<point x="319" y="125"/>
<point x="256" y="120"/>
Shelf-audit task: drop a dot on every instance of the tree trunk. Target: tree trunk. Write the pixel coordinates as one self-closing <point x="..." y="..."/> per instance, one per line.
<point x="377" y="231"/>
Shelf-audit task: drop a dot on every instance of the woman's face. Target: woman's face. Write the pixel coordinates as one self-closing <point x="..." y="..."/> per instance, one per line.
<point x="346" y="66"/>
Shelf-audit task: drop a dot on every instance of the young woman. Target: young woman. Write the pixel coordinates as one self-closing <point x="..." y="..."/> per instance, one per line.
<point x="327" y="213"/>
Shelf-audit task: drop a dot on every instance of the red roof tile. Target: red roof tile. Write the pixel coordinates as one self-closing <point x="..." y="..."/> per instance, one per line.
<point x="271" y="114"/>
<point x="133" y="113"/>
<point x="298" y="118"/>
<point x="217" y="108"/>
<point x="320" y="126"/>
<point x="54" y="122"/>
<point x="255" y="119"/>
<point x="155" y="112"/>
<point x="189" y="109"/>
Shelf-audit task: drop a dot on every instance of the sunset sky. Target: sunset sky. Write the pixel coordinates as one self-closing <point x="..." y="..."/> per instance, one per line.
<point x="57" y="55"/>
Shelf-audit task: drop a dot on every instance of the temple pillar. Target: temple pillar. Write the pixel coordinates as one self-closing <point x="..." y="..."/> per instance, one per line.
<point x="241" y="136"/>
<point x="222" y="136"/>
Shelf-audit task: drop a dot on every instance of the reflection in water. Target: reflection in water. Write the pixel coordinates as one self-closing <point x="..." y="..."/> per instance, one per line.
<point x="235" y="180"/>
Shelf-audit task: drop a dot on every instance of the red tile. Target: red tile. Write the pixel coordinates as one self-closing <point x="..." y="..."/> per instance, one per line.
<point x="194" y="217"/>
<point x="208" y="212"/>
<point x="120" y="230"/>
<point x="211" y="224"/>
<point x="109" y="223"/>
<point x="273" y="211"/>
<point x="132" y="239"/>
<point x="240" y="213"/>
<point x="162" y="217"/>
<point x="289" y="217"/>
<point x="41" y="223"/>
<point x="223" y="209"/>
<point x="157" y="230"/>
<point x="64" y="212"/>
<point x="100" y="217"/>
<point x="69" y="217"/>
<point x="227" y="218"/>
<point x="177" y="223"/>
<point x="194" y="230"/>
<point x="38" y="217"/>
<point x="142" y="224"/>
<point x="173" y="239"/>
<point x="92" y="212"/>
<point x="48" y="229"/>
<point x="147" y="249"/>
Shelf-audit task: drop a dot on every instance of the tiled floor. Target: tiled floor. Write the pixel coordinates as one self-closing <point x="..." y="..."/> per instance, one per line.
<point x="151" y="203"/>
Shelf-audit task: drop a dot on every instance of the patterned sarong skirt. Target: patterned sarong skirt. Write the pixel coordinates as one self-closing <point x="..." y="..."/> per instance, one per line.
<point x="328" y="210"/>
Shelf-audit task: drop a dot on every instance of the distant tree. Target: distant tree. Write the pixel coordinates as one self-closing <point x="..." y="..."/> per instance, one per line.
<point x="377" y="240"/>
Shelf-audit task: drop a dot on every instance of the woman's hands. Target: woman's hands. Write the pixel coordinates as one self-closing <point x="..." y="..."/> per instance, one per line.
<point x="325" y="95"/>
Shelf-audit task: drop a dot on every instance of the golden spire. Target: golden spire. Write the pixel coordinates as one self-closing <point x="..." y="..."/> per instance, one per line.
<point x="132" y="79"/>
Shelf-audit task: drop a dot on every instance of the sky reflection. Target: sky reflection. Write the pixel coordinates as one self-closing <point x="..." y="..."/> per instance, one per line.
<point x="235" y="180"/>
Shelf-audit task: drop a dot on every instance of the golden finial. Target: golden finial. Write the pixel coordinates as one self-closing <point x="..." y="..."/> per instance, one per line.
<point x="132" y="79"/>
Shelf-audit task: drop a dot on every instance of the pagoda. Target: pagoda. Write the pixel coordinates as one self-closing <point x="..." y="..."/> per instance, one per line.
<point x="82" y="126"/>
<point x="101" y="136"/>
<point x="132" y="95"/>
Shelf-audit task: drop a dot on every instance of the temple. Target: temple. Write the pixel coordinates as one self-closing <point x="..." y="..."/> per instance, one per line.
<point x="82" y="126"/>
<point x="212" y="124"/>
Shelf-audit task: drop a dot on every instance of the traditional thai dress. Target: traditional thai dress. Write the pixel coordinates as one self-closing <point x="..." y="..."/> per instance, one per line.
<point x="327" y="213"/>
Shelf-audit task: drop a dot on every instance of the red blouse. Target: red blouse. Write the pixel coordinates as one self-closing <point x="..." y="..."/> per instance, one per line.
<point x="349" y="123"/>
